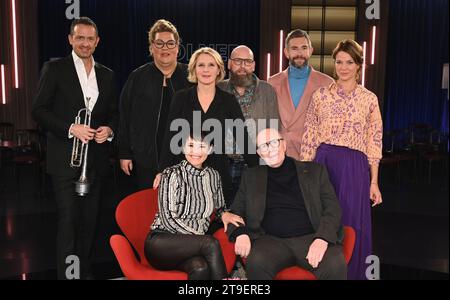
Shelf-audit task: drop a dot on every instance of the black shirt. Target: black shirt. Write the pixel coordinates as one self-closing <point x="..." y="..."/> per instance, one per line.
<point x="166" y="96"/>
<point x="285" y="215"/>
<point x="223" y="107"/>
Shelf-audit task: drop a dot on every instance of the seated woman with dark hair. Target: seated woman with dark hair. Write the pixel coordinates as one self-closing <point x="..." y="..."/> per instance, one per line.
<point x="188" y="195"/>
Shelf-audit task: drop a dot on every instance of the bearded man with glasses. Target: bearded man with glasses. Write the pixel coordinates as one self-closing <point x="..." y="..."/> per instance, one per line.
<point x="256" y="97"/>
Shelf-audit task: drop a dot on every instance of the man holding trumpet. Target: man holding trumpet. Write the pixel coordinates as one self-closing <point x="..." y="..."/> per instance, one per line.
<point x="68" y="86"/>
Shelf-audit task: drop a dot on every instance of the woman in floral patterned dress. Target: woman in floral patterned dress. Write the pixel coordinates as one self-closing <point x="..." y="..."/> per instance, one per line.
<point x="343" y="131"/>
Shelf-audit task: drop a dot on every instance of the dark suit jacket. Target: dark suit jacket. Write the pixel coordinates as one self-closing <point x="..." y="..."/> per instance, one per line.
<point x="318" y="193"/>
<point x="57" y="102"/>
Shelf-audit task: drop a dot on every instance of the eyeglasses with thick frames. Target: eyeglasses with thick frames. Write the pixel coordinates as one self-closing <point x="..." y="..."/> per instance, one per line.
<point x="239" y="61"/>
<point x="273" y="144"/>
<point x="170" y="44"/>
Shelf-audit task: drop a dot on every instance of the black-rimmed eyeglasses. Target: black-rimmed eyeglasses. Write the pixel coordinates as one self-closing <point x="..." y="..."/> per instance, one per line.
<point x="170" y="44"/>
<point x="273" y="144"/>
<point x="239" y="61"/>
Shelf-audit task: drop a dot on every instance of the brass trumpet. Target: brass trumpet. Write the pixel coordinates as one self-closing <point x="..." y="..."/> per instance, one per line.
<point x="80" y="154"/>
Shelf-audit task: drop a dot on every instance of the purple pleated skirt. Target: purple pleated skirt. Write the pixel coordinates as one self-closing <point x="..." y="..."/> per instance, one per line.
<point x="349" y="173"/>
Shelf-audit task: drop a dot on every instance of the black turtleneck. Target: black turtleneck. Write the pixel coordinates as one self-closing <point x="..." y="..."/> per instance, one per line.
<point x="285" y="214"/>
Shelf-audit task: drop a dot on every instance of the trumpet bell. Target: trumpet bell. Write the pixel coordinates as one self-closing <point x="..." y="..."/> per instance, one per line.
<point x="82" y="187"/>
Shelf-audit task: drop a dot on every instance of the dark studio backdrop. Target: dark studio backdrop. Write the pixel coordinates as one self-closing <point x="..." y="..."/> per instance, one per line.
<point x="124" y="24"/>
<point x="417" y="46"/>
<point x="417" y="50"/>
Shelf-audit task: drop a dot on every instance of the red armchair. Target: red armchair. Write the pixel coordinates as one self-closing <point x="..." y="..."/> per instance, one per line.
<point x="134" y="215"/>
<point x="297" y="273"/>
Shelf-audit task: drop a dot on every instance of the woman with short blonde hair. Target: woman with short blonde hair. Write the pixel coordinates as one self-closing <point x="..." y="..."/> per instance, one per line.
<point x="192" y="77"/>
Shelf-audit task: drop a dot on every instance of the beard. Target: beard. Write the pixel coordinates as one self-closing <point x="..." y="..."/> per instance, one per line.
<point x="241" y="80"/>
<point x="299" y="65"/>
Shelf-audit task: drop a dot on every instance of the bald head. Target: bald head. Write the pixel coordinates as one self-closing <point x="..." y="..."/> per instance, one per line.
<point x="271" y="147"/>
<point x="266" y="135"/>
<point x="242" y="51"/>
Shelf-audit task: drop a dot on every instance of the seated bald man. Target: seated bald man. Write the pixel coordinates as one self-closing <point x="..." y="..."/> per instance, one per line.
<point x="291" y="213"/>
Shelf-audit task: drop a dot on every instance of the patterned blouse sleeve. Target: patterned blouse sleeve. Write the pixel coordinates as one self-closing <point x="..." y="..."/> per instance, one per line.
<point x="219" y="201"/>
<point x="375" y="132"/>
<point x="168" y="197"/>
<point x="311" y="136"/>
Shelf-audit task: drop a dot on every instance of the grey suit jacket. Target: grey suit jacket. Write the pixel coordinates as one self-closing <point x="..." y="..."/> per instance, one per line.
<point x="318" y="193"/>
<point x="265" y="106"/>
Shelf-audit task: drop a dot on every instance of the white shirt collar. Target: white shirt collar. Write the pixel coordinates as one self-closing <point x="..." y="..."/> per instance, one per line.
<point x="78" y="60"/>
<point x="88" y="84"/>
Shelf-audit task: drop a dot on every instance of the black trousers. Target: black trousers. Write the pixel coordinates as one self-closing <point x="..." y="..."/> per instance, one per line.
<point x="200" y="256"/>
<point x="144" y="177"/>
<point x="237" y="166"/>
<point x="269" y="255"/>
<point x="76" y="223"/>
